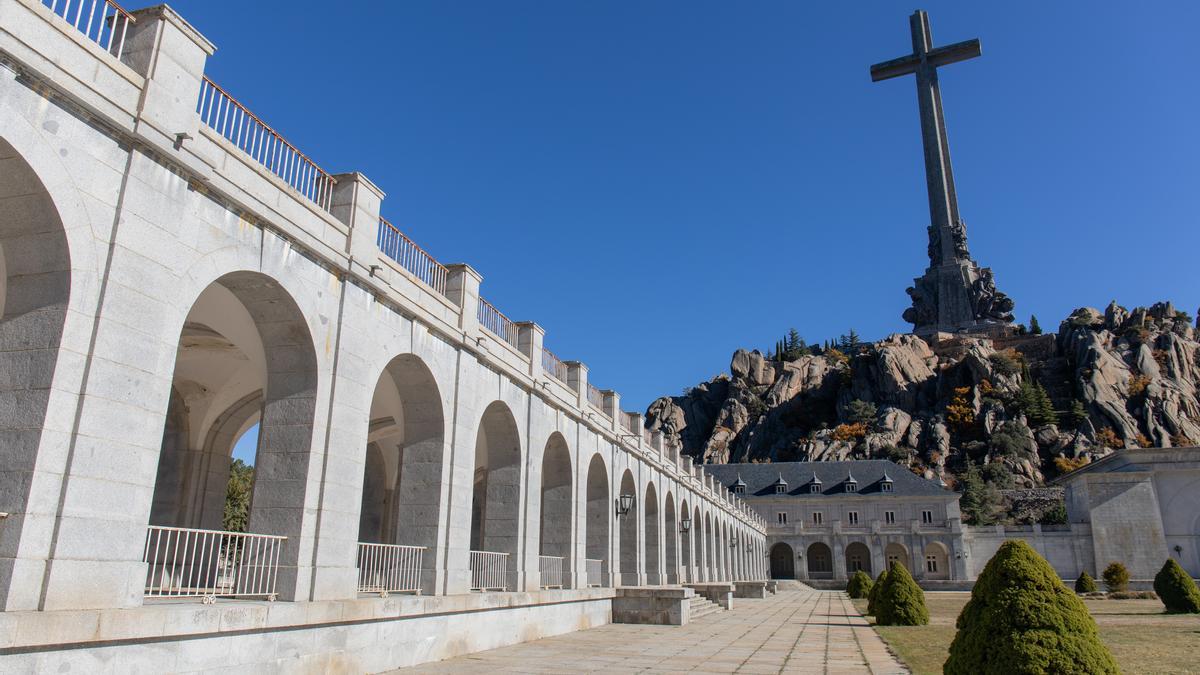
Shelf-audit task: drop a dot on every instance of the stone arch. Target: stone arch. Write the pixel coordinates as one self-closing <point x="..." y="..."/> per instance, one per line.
<point x="895" y="552"/>
<point x="687" y="555"/>
<point x="671" y="539"/>
<point x="35" y="291"/>
<point x="710" y="549"/>
<point x="820" y="561"/>
<point x="496" y="493"/>
<point x="653" y="530"/>
<point x="557" y="503"/>
<point x="628" y="531"/>
<point x="599" y="506"/>
<point x="402" y="478"/>
<point x="783" y="561"/>
<point x="936" y="561"/>
<point x="858" y="557"/>
<point x="699" y="555"/>
<point x="244" y="342"/>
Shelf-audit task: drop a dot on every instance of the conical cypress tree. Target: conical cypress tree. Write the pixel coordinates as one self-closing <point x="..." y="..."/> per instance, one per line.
<point x="1085" y="583"/>
<point x="1176" y="589"/>
<point x="901" y="601"/>
<point x="859" y="586"/>
<point x="873" y="594"/>
<point x="1021" y="619"/>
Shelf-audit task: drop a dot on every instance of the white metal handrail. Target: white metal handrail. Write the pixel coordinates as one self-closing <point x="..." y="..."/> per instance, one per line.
<point x="256" y="138"/>
<point x="551" y="569"/>
<point x="184" y="562"/>
<point x="552" y="365"/>
<point x="489" y="571"/>
<point x="411" y="257"/>
<point x="101" y="21"/>
<point x="498" y="324"/>
<point x="595" y="572"/>
<point x="389" y="568"/>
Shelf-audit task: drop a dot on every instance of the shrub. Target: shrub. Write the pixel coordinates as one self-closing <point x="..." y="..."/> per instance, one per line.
<point x="1181" y="441"/>
<point x="901" y="601"/>
<point x="859" y="585"/>
<point x="1021" y="619"/>
<point x="1109" y="439"/>
<point x="1116" y="577"/>
<point x="1085" y="583"/>
<point x="1132" y="595"/>
<point x="849" y="432"/>
<point x="1010" y="439"/>
<point x="960" y="414"/>
<point x="1067" y="465"/>
<point x="1007" y="362"/>
<point x="873" y="594"/>
<point x="1177" y="590"/>
<point x="1137" y="385"/>
<point x="861" y="412"/>
<point x="1142" y="441"/>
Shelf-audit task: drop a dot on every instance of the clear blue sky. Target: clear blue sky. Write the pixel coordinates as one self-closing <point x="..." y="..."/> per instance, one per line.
<point x="660" y="183"/>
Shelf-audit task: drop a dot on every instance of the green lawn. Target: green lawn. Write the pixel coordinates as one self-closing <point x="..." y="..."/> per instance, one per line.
<point x="1140" y="636"/>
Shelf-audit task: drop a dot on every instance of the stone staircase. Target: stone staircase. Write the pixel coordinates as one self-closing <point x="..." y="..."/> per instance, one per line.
<point x="701" y="606"/>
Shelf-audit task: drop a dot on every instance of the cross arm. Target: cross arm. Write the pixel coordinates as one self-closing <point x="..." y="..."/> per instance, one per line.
<point x="904" y="65"/>
<point x="959" y="51"/>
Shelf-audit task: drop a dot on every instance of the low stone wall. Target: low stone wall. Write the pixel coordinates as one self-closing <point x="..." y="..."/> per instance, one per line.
<point x="749" y="589"/>
<point x="664" y="606"/>
<point x="364" y="635"/>
<point x="1068" y="549"/>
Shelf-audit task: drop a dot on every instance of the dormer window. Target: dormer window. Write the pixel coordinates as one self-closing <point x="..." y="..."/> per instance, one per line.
<point x="814" y="486"/>
<point x="851" y="484"/>
<point x="886" y="484"/>
<point x="781" y="486"/>
<point x="739" y="487"/>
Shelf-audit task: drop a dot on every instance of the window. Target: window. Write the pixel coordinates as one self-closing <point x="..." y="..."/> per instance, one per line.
<point x="817" y="518"/>
<point x="931" y="563"/>
<point x="885" y="486"/>
<point x="739" y="489"/>
<point x="780" y="488"/>
<point x="853" y="517"/>
<point x="814" y="489"/>
<point x="851" y="487"/>
<point x="889" y="517"/>
<point x="856" y="562"/>
<point x="927" y="517"/>
<point x="781" y="518"/>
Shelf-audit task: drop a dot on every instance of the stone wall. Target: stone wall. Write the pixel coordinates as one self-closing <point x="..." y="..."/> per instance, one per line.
<point x="1067" y="549"/>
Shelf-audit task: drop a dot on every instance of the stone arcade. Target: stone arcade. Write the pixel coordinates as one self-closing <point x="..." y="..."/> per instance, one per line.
<point x="175" y="272"/>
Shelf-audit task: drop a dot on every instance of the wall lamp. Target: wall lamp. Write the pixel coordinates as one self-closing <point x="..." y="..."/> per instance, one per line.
<point x="624" y="503"/>
<point x="733" y="542"/>
<point x="685" y="524"/>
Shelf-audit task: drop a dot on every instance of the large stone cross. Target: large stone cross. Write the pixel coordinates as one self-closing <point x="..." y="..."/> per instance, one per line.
<point x="924" y="62"/>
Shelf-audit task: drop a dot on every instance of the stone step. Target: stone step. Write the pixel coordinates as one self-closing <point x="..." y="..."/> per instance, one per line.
<point x="701" y="606"/>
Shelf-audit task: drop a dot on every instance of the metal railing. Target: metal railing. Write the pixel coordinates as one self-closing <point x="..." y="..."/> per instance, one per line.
<point x="389" y="568"/>
<point x="595" y="572"/>
<point x="184" y="562"/>
<point x="101" y="21"/>
<point x="551" y="569"/>
<point x="596" y="398"/>
<point x="411" y="257"/>
<point x="553" y="366"/>
<point x="256" y="138"/>
<point x="489" y="571"/>
<point x="498" y="324"/>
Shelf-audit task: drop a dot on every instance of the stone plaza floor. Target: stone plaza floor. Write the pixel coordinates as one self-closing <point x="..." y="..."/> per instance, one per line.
<point x="794" y="631"/>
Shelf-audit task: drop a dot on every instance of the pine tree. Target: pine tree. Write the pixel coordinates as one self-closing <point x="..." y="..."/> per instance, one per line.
<point x="873" y="594"/>
<point x="1116" y="577"/>
<point x="1034" y="328"/>
<point x="980" y="501"/>
<point x="1078" y="414"/>
<point x="859" y="586"/>
<point x="1085" y="583"/>
<point x="1021" y="619"/>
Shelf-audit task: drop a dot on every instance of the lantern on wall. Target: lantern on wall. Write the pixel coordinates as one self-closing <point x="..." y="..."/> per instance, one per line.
<point x="685" y="524"/>
<point x="624" y="503"/>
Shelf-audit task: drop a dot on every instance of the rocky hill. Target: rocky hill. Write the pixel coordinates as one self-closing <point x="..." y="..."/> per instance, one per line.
<point x="1023" y="407"/>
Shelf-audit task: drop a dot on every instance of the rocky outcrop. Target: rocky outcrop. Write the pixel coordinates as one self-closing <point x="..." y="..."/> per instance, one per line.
<point x="1036" y="404"/>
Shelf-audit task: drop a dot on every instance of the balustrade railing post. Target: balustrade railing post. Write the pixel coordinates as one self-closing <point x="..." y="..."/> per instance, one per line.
<point x="577" y="380"/>
<point x="462" y="287"/>
<point x="171" y="55"/>
<point x="530" y="339"/>
<point x="612" y="406"/>
<point x="356" y="201"/>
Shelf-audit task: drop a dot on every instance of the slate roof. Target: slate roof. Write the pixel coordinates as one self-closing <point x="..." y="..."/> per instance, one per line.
<point x="760" y="479"/>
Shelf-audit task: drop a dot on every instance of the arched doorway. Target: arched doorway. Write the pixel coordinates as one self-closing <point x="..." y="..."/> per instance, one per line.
<point x="783" y="561"/>
<point x="402" y="477"/>
<point x="937" y="562"/>
<point x="895" y="552"/>
<point x="858" y="557"/>
<point x="650" y="513"/>
<point x="687" y="556"/>
<point x="628" y="532"/>
<point x="244" y="356"/>
<point x="556" y="513"/>
<point x="820" y="561"/>
<point x="599" y="506"/>
<point x="495" y="501"/>
<point x="671" y="539"/>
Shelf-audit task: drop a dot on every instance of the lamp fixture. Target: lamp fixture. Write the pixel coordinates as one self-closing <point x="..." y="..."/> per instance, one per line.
<point x="685" y="524"/>
<point x="624" y="503"/>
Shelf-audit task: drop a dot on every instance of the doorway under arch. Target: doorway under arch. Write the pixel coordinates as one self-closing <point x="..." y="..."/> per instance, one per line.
<point x="858" y="557"/>
<point x="783" y="561"/>
<point x="820" y="561"/>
